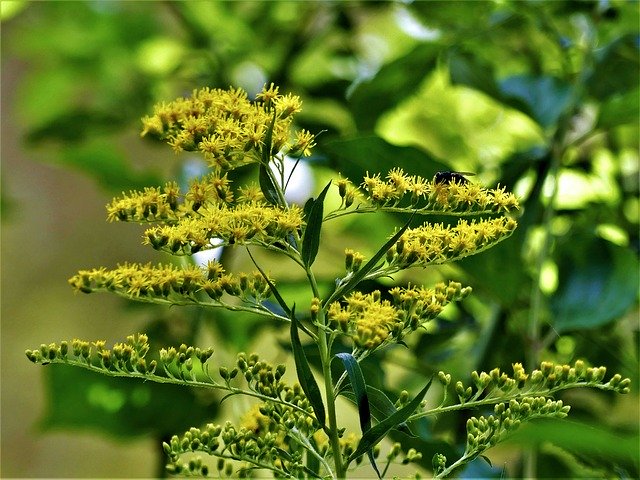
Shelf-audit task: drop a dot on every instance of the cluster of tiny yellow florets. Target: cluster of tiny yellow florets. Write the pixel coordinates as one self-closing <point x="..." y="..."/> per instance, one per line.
<point x="218" y="225"/>
<point x="432" y="244"/>
<point x="371" y="321"/>
<point x="168" y="204"/>
<point x="147" y="282"/>
<point x="228" y="128"/>
<point x="411" y="192"/>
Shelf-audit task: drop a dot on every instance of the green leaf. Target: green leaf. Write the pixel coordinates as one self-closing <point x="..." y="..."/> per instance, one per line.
<point x="359" y="388"/>
<point x="311" y="239"/>
<point x="470" y="70"/>
<point x="268" y="139"/>
<point x="108" y="166"/>
<point x="371" y="98"/>
<point x="620" y="109"/>
<point x="617" y="67"/>
<point x="305" y="376"/>
<point x="543" y="98"/>
<point x="598" y="282"/>
<point x="381" y="406"/>
<point x="266" y="185"/>
<point x="378" y="432"/>
<point x="353" y="157"/>
<point x="273" y="288"/>
<point x="370" y="265"/>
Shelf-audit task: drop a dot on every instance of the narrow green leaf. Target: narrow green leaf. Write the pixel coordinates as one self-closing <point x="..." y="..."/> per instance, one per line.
<point x="486" y="459"/>
<point x="273" y="288"/>
<point x="268" y="138"/>
<point x="381" y="406"/>
<point x="313" y="464"/>
<point x="377" y="433"/>
<point x="305" y="377"/>
<point x="311" y="238"/>
<point x="362" y="401"/>
<point x="370" y="265"/>
<point x="267" y="186"/>
<point x="359" y="386"/>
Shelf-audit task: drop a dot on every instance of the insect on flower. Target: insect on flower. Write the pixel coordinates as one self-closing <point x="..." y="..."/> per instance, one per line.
<point x="448" y="177"/>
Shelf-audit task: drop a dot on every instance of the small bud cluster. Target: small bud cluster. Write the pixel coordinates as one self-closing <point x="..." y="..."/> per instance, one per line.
<point x="228" y="128"/>
<point x="548" y="379"/>
<point x="186" y="362"/>
<point x="293" y="409"/>
<point x="262" y="441"/>
<point x="371" y="321"/>
<point x="173" y="284"/>
<point x="485" y="432"/>
<point x="127" y="357"/>
<point x="401" y="191"/>
<point x="348" y="192"/>
<point x="412" y="454"/>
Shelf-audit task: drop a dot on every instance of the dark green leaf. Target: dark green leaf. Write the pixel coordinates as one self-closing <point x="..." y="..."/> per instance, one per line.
<point x="268" y="138"/>
<point x="355" y="156"/>
<point x="305" y="376"/>
<point x="598" y="282"/>
<point x="543" y="98"/>
<point x="378" y="432"/>
<point x="392" y="84"/>
<point x="617" y="67"/>
<point x="468" y="69"/>
<point x="381" y="406"/>
<point x="273" y="288"/>
<point x="311" y="238"/>
<point x="359" y="388"/>
<point x="313" y="464"/>
<point x="620" y="109"/>
<point x="371" y="264"/>
<point x="266" y="185"/>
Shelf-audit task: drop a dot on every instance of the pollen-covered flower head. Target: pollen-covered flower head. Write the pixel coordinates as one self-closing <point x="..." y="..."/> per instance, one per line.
<point x="228" y="128"/>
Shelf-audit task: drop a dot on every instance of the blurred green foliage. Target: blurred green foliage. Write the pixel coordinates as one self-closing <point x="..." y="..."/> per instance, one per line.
<point x="540" y="96"/>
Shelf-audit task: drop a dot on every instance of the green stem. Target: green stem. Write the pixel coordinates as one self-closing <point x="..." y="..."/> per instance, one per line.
<point x="325" y="358"/>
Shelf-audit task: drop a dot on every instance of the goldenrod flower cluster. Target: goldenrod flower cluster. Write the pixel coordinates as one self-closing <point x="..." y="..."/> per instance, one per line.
<point x="168" y="282"/>
<point x="218" y="225"/>
<point x="401" y="192"/>
<point x="432" y="244"/>
<point x="229" y="129"/>
<point x="371" y="321"/>
<point x="168" y="204"/>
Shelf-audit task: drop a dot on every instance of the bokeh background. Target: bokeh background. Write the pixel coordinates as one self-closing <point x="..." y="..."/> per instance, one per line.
<point x="540" y="96"/>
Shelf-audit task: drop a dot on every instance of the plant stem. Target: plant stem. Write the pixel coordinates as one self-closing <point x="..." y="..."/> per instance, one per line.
<point x="325" y="358"/>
